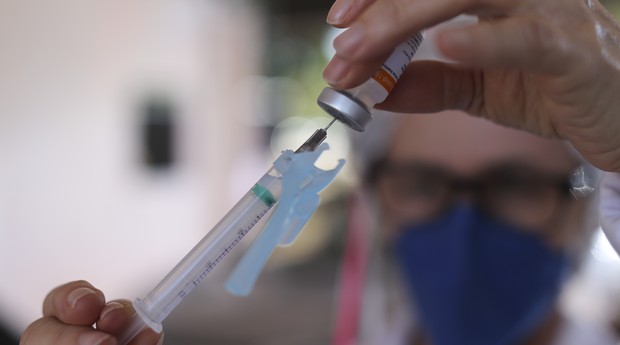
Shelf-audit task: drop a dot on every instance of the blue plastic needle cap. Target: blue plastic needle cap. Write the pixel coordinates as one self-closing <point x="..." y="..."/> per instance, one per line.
<point x="301" y="184"/>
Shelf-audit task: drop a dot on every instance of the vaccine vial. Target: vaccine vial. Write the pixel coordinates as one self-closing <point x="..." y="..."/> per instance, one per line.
<point x="352" y="107"/>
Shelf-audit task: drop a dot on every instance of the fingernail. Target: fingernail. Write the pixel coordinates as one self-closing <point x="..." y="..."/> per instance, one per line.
<point x="77" y="294"/>
<point x="338" y="12"/>
<point x="349" y="41"/>
<point x="110" y="307"/>
<point x="335" y="71"/>
<point x="93" y="338"/>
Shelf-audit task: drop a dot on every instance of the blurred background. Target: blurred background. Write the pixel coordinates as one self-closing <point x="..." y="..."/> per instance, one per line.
<point x="128" y="128"/>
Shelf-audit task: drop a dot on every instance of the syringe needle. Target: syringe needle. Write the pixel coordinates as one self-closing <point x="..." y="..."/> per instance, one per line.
<point x="316" y="139"/>
<point x="329" y="125"/>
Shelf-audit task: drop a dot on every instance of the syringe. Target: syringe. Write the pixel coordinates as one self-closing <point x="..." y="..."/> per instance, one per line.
<point x="213" y="248"/>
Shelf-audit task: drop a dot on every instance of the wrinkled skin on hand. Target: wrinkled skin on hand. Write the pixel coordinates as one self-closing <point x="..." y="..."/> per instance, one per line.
<point x="548" y="67"/>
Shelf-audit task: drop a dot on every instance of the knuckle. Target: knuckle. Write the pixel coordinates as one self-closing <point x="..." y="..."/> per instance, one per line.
<point x="540" y="35"/>
<point x="553" y="43"/>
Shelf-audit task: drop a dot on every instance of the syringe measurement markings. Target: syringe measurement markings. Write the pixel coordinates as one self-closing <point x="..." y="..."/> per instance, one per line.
<point x="211" y="265"/>
<point x="219" y="258"/>
<point x="227" y="249"/>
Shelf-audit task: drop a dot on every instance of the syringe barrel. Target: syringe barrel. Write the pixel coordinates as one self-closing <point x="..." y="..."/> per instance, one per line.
<point x="188" y="273"/>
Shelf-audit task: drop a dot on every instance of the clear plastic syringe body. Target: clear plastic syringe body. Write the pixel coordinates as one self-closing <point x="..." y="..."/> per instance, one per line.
<point x="213" y="248"/>
<point x="352" y="107"/>
<point x="200" y="261"/>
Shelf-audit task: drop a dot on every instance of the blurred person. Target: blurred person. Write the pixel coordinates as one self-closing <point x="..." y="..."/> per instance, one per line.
<point x="484" y="227"/>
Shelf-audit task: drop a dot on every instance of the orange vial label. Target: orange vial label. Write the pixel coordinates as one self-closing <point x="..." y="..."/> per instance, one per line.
<point x="385" y="79"/>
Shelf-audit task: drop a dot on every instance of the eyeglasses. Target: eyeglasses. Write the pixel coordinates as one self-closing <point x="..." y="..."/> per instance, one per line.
<point x="513" y="192"/>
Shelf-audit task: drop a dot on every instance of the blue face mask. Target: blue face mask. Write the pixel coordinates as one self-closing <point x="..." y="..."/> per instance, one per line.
<point x="477" y="281"/>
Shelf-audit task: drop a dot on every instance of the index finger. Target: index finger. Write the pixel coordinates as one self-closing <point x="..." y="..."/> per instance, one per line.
<point x="75" y="303"/>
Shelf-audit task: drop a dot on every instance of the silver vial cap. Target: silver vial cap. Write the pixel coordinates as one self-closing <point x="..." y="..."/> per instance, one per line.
<point x="345" y="108"/>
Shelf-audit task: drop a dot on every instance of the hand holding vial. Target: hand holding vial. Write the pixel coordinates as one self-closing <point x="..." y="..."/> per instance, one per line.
<point x="548" y="67"/>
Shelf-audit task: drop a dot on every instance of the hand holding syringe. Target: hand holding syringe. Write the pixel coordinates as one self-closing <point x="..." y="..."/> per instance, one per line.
<point x="295" y="181"/>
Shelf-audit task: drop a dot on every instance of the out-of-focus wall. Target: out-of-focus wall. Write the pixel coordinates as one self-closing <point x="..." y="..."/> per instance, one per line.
<point x="75" y="201"/>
